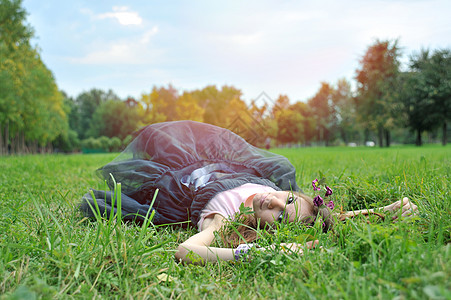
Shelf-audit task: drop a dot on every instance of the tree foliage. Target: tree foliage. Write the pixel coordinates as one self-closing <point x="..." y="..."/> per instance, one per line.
<point x="114" y="118"/>
<point x="323" y="112"/>
<point x="87" y="104"/>
<point x="376" y="88"/>
<point x="426" y="92"/>
<point x="345" y="111"/>
<point x="31" y="107"/>
<point x="35" y="115"/>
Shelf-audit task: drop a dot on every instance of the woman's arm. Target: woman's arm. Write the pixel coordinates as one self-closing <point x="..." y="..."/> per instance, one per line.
<point x="196" y="249"/>
<point x="405" y="206"/>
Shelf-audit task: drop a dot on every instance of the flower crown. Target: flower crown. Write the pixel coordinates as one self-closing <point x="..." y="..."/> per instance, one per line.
<point x="318" y="200"/>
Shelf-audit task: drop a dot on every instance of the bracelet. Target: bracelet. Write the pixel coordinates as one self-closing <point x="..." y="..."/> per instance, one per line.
<point x="242" y="250"/>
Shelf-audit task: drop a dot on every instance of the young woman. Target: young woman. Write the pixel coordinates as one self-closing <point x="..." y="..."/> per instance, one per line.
<point x="203" y="174"/>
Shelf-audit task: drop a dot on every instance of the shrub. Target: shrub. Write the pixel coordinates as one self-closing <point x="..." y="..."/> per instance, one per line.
<point x="127" y="140"/>
<point x="105" y="143"/>
<point x="115" y="144"/>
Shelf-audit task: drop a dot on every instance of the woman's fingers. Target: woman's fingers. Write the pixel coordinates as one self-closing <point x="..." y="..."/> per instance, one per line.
<point x="393" y="207"/>
<point x="408" y="208"/>
<point x="311" y="244"/>
<point x="298" y="248"/>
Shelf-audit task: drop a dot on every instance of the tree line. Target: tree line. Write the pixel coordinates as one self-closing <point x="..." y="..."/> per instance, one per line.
<point x="389" y="102"/>
<point x="31" y="110"/>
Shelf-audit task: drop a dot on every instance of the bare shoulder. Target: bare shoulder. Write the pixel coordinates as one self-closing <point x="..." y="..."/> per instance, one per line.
<point x="214" y="221"/>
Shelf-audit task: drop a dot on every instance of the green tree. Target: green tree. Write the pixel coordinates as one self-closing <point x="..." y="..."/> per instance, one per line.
<point x="87" y="103"/>
<point x="376" y="88"/>
<point x="72" y="111"/>
<point x="439" y="79"/>
<point x="114" y="118"/>
<point x="14" y="32"/>
<point x="324" y="113"/>
<point x="426" y="92"/>
<point x="416" y="104"/>
<point x="31" y="107"/>
<point x="308" y="121"/>
<point x="44" y="116"/>
<point x="289" y="126"/>
<point x="15" y="38"/>
<point x="345" y="110"/>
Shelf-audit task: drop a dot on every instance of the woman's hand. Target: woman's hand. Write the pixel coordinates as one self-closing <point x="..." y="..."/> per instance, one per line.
<point x="403" y="207"/>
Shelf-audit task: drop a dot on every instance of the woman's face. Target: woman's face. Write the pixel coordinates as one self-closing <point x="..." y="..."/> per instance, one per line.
<point x="279" y="206"/>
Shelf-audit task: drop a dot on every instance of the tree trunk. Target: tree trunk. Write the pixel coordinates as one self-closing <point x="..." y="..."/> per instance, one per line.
<point x="2" y="151"/>
<point x="366" y="135"/>
<point x="15" y="144"/>
<point x="380" y="137"/>
<point x="34" y="147"/>
<point x="444" y="137"/>
<point x="387" y="137"/>
<point x="418" y="141"/>
<point x="22" y="142"/>
<point x="344" y="136"/>
<point x="7" y="145"/>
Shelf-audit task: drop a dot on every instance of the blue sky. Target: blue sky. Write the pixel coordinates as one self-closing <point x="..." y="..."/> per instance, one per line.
<point x="277" y="47"/>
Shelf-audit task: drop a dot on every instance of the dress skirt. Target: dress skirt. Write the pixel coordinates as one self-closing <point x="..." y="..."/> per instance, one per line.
<point x="189" y="163"/>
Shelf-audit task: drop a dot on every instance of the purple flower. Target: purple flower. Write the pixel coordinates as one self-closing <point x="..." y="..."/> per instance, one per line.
<point x="328" y="191"/>
<point x="315" y="185"/>
<point x="331" y="204"/>
<point x="318" y="201"/>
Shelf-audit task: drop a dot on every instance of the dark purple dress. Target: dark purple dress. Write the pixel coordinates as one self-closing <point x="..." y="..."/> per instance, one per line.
<point x="189" y="162"/>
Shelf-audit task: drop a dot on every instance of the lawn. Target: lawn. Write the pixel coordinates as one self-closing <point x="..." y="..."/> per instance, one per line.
<point x="48" y="250"/>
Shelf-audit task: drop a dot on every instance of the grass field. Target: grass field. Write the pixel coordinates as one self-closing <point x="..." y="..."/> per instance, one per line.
<point x="48" y="250"/>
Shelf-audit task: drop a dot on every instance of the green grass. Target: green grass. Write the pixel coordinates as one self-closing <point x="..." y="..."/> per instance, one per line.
<point x="48" y="250"/>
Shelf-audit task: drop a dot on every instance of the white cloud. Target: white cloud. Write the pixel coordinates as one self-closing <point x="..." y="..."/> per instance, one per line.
<point x="123" y="52"/>
<point x="131" y="50"/>
<point x="123" y="15"/>
<point x="299" y="16"/>
<point x="115" y="53"/>
<point x="148" y="34"/>
<point x="239" y="39"/>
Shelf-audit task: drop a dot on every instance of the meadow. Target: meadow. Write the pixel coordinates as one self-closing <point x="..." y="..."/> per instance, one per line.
<point x="49" y="250"/>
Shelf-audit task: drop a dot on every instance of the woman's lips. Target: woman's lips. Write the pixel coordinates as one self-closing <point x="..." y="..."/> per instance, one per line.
<point x="262" y="200"/>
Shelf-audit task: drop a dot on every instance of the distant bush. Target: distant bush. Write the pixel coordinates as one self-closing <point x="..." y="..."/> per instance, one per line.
<point x="127" y="140"/>
<point x="101" y="144"/>
<point x="88" y="143"/>
<point x="115" y="144"/>
<point x="104" y="143"/>
<point x="92" y="145"/>
<point x="67" y="142"/>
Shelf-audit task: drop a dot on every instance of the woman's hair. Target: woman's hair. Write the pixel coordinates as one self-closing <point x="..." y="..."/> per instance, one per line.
<point x="243" y="229"/>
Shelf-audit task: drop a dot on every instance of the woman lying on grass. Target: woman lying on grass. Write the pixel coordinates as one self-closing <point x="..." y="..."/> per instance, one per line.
<point x="203" y="175"/>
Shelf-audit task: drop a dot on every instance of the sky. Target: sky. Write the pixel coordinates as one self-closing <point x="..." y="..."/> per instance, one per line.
<point x="275" y="47"/>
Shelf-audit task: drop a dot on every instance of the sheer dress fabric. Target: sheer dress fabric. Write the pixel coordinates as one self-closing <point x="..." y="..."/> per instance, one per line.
<point x="227" y="203"/>
<point x="189" y="163"/>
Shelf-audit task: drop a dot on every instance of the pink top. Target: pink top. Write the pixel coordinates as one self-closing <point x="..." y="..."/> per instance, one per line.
<point x="227" y="203"/>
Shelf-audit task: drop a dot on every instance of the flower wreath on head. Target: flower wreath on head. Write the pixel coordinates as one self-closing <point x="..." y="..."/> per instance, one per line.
<point x="318" y="200"/>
